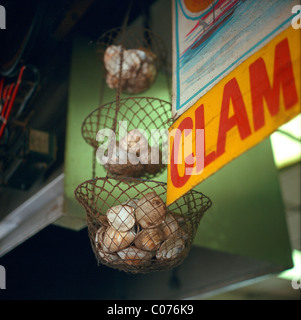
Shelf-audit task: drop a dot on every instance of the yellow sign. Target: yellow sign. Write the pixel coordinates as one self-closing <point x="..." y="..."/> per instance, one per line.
<point x="244" y="108"/>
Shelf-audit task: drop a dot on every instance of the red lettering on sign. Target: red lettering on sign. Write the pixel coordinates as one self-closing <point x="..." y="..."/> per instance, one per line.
<point x="239" y="119"/>
<point x="261" y="88"/>
<point x="200" y="124"/>
<point x="176" y="179"/>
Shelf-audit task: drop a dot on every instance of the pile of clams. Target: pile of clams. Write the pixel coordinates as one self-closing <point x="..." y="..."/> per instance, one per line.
<point x="140" y="232"/>
<point x="132" y="156"/>
<point x="138" y="68"/>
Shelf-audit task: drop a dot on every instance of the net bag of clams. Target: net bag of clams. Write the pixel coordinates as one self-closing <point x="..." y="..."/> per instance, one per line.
<point x="131" y="228"/>
<point x="131" y="58"/>
<point x="138" y="130"/>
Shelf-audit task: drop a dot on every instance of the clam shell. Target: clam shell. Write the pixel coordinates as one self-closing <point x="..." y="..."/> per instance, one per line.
<point x="180" y="233"/>
<point x="170" y="248"/>
<point x="169" y="225"/>
<point x="103" y="220"/>
<point x="138" y="68"/>
<point x="112" y="58"/>
<point x="131" y="202"/>
<point x="147" y="55"/>
<point x="130" y="65"/>
<point x="135" y="256"/>
<point x="99" y="236"/>
<point x="114" y="240"/>
<point x="113" y="81"/>
<point x="121" y="217"/>
<point x="135" y="139"/>
<point x="149" y="239"/>
<point x="135" y="85"/>
<point x="108" y="257"/>
<point x="150" y="210"/>
<point x="130" y="86"/>
<point x="142" y="81"/>
<point x="125" y="167"/>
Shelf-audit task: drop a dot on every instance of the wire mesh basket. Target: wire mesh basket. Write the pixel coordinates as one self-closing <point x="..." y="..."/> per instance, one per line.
<point x="131" y="57"/>
<point x="137" y="129"/>
<point x="131" y="228"/>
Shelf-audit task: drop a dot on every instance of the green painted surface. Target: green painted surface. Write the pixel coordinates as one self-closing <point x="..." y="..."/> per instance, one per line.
<point x="247" y="217"/>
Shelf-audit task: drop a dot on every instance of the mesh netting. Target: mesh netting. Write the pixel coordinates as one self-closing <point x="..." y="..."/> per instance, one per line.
<point x="131" y="58"/>
<point x="139" y="148"/>
<point x="130" y="227"/>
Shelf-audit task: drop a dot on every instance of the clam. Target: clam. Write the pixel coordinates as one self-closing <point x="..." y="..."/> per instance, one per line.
<point x="138" y="68"/>
<point x="131" y="62"/>
<point x="135" y="256"/>
<point x="169" y="225"/>
<point x="99" y="237"/>
<point x="111" y="58"/>
<point x="138" y="84"/>
<point x="121" y="164"/>
<point x="134" y="140"/>
<point x="149" y="239"/>
<point x="121" y="217"/>
<point x="150" y="210"/>
<point x="149" y="71"/>
<point x="114" y="240"/>
<point x="180" y="233"/>
<point x="103" y="220"/>
<point x="170" y="248"/>
<point x="131" y="202"/>
<point x="108" y="257"/>
<point x="143" y="79"/>
<point x="113" y="81"/>
<point x="117" y="162"/>
<point x="132" y="85"/>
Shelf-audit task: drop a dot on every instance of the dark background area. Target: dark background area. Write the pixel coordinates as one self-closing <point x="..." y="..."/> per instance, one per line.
<point x="56" y="263"/>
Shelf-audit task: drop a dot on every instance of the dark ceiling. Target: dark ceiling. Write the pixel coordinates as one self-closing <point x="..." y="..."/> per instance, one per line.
<point x="34" y="28"/>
